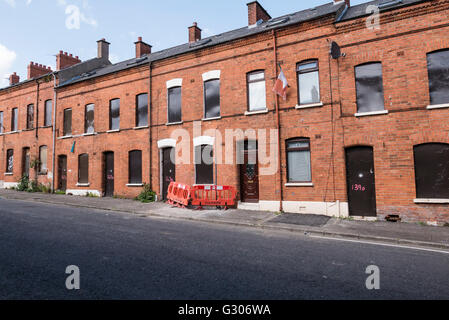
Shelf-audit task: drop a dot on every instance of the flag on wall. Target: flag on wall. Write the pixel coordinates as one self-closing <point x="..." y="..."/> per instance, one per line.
<point x="281" y="85"/>
<point x="73" y="147"/>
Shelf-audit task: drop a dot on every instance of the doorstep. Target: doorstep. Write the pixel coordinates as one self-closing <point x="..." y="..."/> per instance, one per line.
<point x="250" y="206"/>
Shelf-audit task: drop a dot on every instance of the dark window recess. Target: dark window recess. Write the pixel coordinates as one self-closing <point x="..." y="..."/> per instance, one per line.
<point x="174" y="105"/>
<point x="298" y="160"/>
<point x="67" y="130"/>
<point x="9" y="160"/>
<point x="438" y="68"/>
<point x="142" y="110"/>
<point x="369" y="86"/>
<point x="204" y="164"/>
<point x="14" y="119"/>
<point x="30" y="116"/>
<point x="135" y="167"/>
<point x="114" y="114"/>
<point x="89" y="119"/>
<point x="308" y="82"/>
<point x="83" y="169"/>
<point x="48" y="113"/>
<point x="212" y="99"/>
<point x="432" y="171"/>
<point x="1" y="122"/>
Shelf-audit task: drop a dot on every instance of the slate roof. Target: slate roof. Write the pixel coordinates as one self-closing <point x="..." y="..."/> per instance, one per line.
<point x="359" y="11"/>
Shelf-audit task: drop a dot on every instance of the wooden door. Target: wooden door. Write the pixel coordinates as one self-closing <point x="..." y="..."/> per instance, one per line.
<point x="361" y="181"/>
<point x="168" y="171"/>
<point x="249" y="176"/>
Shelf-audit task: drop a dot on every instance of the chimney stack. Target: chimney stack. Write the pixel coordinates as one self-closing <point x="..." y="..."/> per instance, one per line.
<point x="194" y="33"/>
<point x="14" y="79"/>
<point x="348" y="2"/>
<point x="256" y="12"/>
<point x="103" y="49"/>
<point x="64" y="60"/>
<point x="36" y="70"/>
<point x="142" y="48"/>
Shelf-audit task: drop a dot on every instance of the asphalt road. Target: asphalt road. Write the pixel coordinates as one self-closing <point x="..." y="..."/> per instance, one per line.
<point x="122" y="256"/>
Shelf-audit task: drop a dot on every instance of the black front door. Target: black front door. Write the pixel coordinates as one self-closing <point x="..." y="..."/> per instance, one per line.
<point x="361" y="181"/>
<point x="168" y="171"/>
<point x="62" y="173"/>
<point x="109" y="174"/>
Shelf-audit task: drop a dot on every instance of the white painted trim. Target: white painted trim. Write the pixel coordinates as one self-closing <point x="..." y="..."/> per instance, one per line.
<point x="166" y="143"/>
<point x="113" y="131"/>
<point x="83" y="184"/>
<point x="300" y="184"/>
<point x="89" y="134"/>
<point x="65" y="137"/>
<point x="174" y="123"/>
<point x="214" y="74"/>
<point x="251" y="113"/>
<point x="9" y="185"/>
<point x="140" y="128"/>
<point x="211" y="119"/>
<point x="331" y="209"/>
<point x="435" y="201"/>
<point x="372" y="113"/>
<point x="83" y="193"/>
<point x="134" y="185"/>
<point x="310" y="105"/>
<point x="9" y="173"/>
<point x="438" y="106"/>
<point x="174" y="83"/>
<point x="203" y="140"/>
<point x="272" y="206"/>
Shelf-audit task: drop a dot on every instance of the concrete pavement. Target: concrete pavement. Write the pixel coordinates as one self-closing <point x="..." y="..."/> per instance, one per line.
<point x="387" y="232"/>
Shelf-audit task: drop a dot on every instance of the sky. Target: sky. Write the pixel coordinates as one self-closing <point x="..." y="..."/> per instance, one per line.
<point x="36" y="30"/>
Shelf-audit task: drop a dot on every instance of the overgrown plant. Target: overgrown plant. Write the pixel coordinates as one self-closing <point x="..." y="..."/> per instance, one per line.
<point x="147" y="195"/>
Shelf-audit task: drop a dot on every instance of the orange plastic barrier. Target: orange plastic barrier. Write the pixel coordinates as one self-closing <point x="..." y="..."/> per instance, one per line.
<point x="178" y="194"/>
<point x="220" y="196"/>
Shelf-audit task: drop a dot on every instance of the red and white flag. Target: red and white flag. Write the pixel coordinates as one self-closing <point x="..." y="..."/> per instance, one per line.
<point x="281" y="85"/>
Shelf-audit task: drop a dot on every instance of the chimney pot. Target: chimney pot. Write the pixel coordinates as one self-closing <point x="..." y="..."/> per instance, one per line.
<point x="142" y="48"/>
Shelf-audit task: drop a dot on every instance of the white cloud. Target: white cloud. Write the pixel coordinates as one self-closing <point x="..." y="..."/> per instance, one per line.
<point x="29" y="2"/>
<point x="11" y="3"/>
<point x="7" y="58"/>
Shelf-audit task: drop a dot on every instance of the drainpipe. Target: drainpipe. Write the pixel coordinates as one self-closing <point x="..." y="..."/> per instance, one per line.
<point x="54" y="133"/>
<point x="150" y="108"/>
<point x="278" y="126"/>
<point x="37" y="109"/>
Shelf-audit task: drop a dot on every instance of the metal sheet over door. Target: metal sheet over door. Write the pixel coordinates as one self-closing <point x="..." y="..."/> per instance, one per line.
<point x="168" y="171"/>
<point x="62" y="173"/>
<point x="361" y="181"/>
<point x="109" y="174"/>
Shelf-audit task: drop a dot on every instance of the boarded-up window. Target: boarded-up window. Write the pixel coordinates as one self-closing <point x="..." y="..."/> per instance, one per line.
<point x="438" y="67"/>
<point x="432" y="171"/>
<point x="142" y="110"/>
<point x="204" y="164"/>
<point x="308" y="82"/>
<point x="43" y="159"/>
<point x="114" y="114"/>
<point x="174" y="105"/>
<point x="135" y="167"/>
<point x="48" y="113"/>
<point x="298" y="160"/>
<point x="257" y="99"/>
<point x="67" y="129"/>
<point x="212" y="99"/>
<point x="89" y="119"/>
<point x="369" y="86"/>
<point x="9" y="160"/>
<point x="1" y="122"/>
<point x="14" y="119"/>
<point x="83" y="168"/>
<point x="30" y="116"/>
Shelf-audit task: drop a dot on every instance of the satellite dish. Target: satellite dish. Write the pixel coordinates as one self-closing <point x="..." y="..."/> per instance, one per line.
<point x="336" y="51"/>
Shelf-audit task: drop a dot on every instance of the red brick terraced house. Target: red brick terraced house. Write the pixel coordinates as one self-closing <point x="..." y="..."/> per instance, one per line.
<point x="363" y="131"/>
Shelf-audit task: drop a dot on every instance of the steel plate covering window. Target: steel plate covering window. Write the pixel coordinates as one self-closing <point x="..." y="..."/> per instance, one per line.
<point x="308" y="82"/>
<point x="14" y="119"/>
<point x="204" y="164"/>
<point x="256" y="91"/>
<point x="212" y="99"/>
<point x="30" y="116"/>
<point x="438" y="68"/>
<point x="142" y="110"/>
<point x="1" y="122"/>
<point x="298" y="160"/>
<point x="174" y="105"/>
<point x="89" y="119"/>
<point x="369" y="87"/>
<point x="114" y="114"/>
<point x="43" y="159"/>
<point x="67" y="129"/>
<point x="9" y="161"/>
<point x="83" y="169"/>
<point x="135" y="167"/>
<point x="48" y="113"/>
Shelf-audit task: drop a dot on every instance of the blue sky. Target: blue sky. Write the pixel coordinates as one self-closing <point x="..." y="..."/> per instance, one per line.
<point x="35" y="30"/>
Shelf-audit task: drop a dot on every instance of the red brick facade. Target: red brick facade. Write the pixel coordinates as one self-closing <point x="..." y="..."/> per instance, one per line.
<point x="405" y="37"/>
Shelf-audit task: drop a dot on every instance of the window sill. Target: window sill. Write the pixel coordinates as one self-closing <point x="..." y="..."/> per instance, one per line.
<point x="438" y="106"/>
<point x="372" y="113"/>
<point x="42" y="173"/>
<point x="251" y="113"/>
<point x="89" y="134"/>
<point x="83" y="184"/>
<point x="134" y="185"/>
<point x="141" y="128"/>
<point x="174" y="123"/>
<point x="113" y="131"/>
<point x="65" y="137"/>
<point x="310" y="105"/>
<point x="28" y="129"/>
<point x="300" y="184"/>
<point x="12" y="132"/>
<point x="9" y="174"/>
<point x="434" y="201"/>
<point x="211" y="119"/>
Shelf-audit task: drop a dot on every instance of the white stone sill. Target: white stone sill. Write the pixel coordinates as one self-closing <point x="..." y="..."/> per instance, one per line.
<point x="432" y="201"/>
<point x="134" y="185"/>
<point x="113" y="131"/>
<point x="438" y="106"/>
<point x="211" y="119"/>
<point x="300" y="184"/>
<point x="141" y="128"/>
<point x="83" y="184"/>
<point x="251" y="113"/>
<point x="174" y="123"/>
<point x="9" y="174"/>
<point x="65" y="137"/>
<point x="373" y="113"/>
<point x="310" y="105"/>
